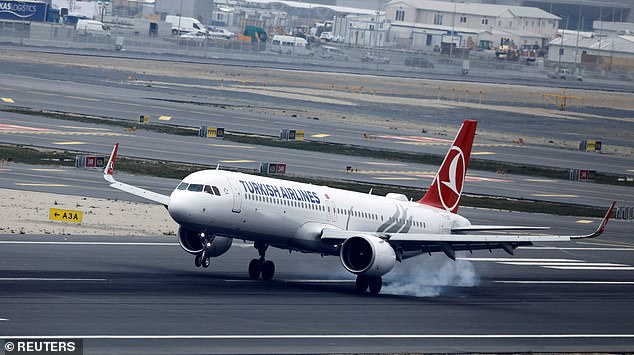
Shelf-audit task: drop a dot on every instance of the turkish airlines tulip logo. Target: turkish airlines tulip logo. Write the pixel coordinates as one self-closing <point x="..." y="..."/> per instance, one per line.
<point x="451" y="180"/>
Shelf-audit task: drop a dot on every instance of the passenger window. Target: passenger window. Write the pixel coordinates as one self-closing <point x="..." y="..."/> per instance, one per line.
<point x="216" y="191"/>
<point x="195" y="187"/>
<point x="183" y="186"/>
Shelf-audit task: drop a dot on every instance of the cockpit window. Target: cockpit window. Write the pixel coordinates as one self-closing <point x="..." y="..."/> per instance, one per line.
<point x="216" y="190"/>
<point x="208" y="189"/>
<point x="182" y="186"/>
<point x="195" y="187"/>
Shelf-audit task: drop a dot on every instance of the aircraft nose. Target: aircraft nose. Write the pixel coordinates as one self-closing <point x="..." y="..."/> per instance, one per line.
<point x="177" y="208"/>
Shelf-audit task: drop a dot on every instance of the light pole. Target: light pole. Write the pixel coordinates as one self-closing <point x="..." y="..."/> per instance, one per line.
<point x="453" y="29"/>
<point x="102" y="7"/>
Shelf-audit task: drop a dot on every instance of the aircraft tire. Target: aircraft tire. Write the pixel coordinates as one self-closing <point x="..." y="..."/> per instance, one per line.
<point x="362" y="283"/>
<point x="255" y="269"/>
<point x="268" y="270"/>
<point x="206" y="262"/>
<point x="198" y="260"/>
<point x="375" y="285"/>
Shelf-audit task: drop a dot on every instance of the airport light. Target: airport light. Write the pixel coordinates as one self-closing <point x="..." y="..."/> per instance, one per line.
<point x="102" y="7"/>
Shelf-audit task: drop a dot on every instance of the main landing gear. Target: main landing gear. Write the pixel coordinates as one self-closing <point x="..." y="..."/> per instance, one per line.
<point x="261" y="266"/>
<point x="374" y="283"/>
<point x="201" y="258"/>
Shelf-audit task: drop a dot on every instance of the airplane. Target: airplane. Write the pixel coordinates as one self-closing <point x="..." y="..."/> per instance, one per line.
<point x="369" y="233"/>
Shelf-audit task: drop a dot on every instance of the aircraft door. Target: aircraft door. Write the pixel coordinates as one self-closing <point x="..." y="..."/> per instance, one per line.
<point x="237" y="195"/>
<point x="331" y="210"/>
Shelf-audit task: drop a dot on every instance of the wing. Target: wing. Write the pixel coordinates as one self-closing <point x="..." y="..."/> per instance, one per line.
<point x="137" y="191"/>
<point x="416" y="243"/>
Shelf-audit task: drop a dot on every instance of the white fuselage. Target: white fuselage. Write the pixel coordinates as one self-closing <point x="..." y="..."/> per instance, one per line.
<point x="292" y="215"/>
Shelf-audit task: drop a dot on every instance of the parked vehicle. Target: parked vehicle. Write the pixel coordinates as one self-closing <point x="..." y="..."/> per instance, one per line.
<point x="291" y="45"/>
<point x="328" y="52"/>
<point x="182" y="24"/>
<point x="418" y="62"/>
<point x="368" y="57"/>
<point x="91" y="28"/>
<point x="36" y="11"/>
<point x="217" y="32"/>
<point x="565" y="74"/>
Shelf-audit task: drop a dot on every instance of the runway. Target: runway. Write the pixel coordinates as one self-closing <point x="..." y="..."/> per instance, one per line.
<point x="143" y="295"/>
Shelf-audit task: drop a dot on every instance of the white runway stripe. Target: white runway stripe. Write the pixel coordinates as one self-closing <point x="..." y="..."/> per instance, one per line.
<point x="517" y="260"/>
<point x="45" y="279"/>
<point x="577" y="248"/>
<point x="88" y="243"/>
<point x="549" y="264"/>
<point x="567" y="282"/>
<point x="326" y="336"/>
<point x="583" y="267"/>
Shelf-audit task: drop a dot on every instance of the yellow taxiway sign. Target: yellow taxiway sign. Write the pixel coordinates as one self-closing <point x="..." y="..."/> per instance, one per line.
<point x="65" y="215"/>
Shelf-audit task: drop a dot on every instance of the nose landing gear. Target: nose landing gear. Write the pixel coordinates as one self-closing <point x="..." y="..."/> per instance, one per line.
<point x="201" y="258"/>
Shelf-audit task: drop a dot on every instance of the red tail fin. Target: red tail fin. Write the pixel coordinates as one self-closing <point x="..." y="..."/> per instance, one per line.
<point x="446" y="189"/>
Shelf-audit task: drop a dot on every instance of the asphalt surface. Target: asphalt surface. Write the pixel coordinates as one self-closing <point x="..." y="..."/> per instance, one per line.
<point x="144" y="295"/>
<point x="202" y="102"/>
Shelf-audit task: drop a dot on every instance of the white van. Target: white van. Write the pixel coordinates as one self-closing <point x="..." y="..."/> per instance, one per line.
<point x="187" y="24"/>
<point x="291" y="45"/>
<point x="91" y="28"/>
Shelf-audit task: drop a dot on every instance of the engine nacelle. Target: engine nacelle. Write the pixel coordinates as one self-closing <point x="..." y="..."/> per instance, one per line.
<point x="367" y="255"/>
<point x="192" y="243"/>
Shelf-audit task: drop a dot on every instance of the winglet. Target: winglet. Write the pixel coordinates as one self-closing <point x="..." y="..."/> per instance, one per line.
<point x="109" y="169"/>
<point x="602" y="226"/>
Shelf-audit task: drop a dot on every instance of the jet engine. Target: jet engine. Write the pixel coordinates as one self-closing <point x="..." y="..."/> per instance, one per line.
<point x="192" y="243"/>
<point x="367" y="255"/>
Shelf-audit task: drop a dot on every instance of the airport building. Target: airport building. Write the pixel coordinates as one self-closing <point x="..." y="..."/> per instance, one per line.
<point x="426" y="24"/>
<point x="613" y="53"/>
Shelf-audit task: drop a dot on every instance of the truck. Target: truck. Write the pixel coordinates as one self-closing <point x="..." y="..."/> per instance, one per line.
<point x="182" y="24"/>
<point x="35" y="11"/>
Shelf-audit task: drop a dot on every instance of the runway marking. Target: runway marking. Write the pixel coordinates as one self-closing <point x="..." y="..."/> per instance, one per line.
<point x="319" y="336"/>
<point x="90" y="128"/>
<point x="631" y="170"/>
<point x="1" y="319"/>
<point x="7" y="100"/>
<point x="232" y="146"/>
<point x="165" y="118"/>
<point x="48" y="170"/>
<point x="561" y="264"/>
<point x="298" y="281"/>
<point x="11" y="127"/>
<point x="613" y="244"/>
<point x="88" y="243"/>
<point x="320" y="135"/>
<point x="418" y="139"/>
<point x="539" y="180"/>
<point x="483" y="153"/>
<point x="385" y="164"/>
<point x="554" y="195"/>
<point x="81" y="98"/>
<point x="583" y="267"/>
<point x="69" y="143"/>
<point x="539" y="282"/>
<point x="394" y="172"/>
<point x="46" y="279"/>
<point x="39" y="184"/>
<point x="523" y="260"/>
<point x="236" y="161"/>
<point x="584" y="221"/>
<point x="578" y="249"/>
<point x="394" y="178"/>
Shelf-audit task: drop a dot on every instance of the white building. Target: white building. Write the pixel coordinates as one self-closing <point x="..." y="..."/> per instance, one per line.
<point x="418" y="21"/>
<point x="362" y="30"/>
<point x="596" y="53"/>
